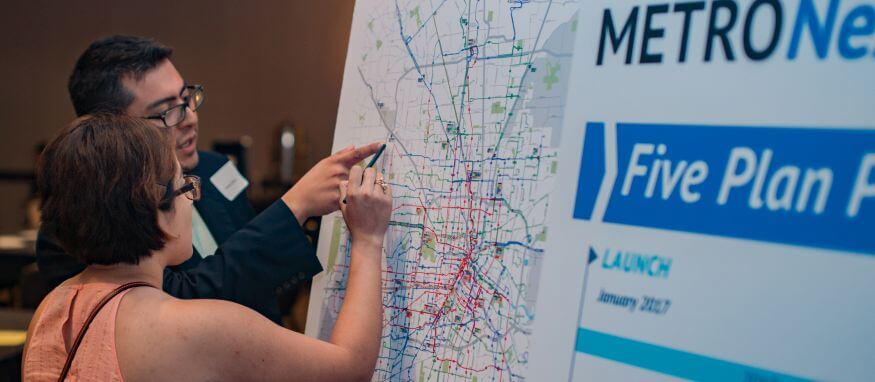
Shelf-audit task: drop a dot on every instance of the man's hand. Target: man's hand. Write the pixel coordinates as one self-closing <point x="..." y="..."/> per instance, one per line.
<point x="318" y="191"/>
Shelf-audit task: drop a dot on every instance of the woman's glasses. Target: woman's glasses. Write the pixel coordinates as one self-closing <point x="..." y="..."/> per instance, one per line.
<point x="191" y="189"/>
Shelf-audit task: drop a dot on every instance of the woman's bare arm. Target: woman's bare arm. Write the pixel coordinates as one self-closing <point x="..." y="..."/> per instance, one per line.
<point x="230" y="342"/>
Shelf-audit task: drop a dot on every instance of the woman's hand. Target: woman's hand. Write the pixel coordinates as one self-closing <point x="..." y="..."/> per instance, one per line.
<point x="368" y="205"/>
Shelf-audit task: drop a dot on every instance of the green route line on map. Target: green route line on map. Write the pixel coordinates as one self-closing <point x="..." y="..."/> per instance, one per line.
<point x="523" y="77"/>
<point x="467" y="58"/>
<point x="483" y="83"/>
<point x="391" y="131"/>
<point x="499" y="57"/>
<point x="446" y="73"/>
<point x="490" y="274"/>
<point x="432" y="15"/>
<point x="465" y="77"/>
<point x="516" y="211"/>
<point x="419" y="195"/>
<point x="406" y="42"/>
<point x="406" y="225"/>
<point x="458" y="121"/>
<point x="392" y="134"/>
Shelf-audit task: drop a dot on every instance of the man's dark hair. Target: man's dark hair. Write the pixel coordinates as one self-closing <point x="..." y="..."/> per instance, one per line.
<point x="101" y="182"/>
<point x="96" y="82"/>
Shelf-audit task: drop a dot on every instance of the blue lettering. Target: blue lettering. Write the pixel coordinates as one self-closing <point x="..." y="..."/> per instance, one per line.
<point x="866" y="15"/>
<point x="821" y="33"/>
<point x="664" y="267"/>
<point x="630" y="262"/>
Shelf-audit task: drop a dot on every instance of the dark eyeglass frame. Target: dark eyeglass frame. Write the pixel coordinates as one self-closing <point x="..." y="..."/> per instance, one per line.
<point x="191" y="91"/>
<point x="191" y="189"/>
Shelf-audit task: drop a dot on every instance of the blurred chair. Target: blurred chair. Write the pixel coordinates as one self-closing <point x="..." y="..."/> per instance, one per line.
<point x="33" y="287"/>
<point x="12" y="261"/>
<point x="13" y="324"/>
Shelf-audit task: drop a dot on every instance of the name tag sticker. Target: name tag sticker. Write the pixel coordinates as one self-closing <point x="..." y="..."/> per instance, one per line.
<point x="229" y="181"/>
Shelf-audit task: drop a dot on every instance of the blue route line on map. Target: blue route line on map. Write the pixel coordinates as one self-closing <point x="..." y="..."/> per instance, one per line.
<point x="509" y="243"/>
<point x="512" y="9"/>
<point x="406" y="42"/>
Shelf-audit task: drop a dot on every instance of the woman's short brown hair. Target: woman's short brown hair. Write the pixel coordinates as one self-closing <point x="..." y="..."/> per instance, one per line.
<point x="101" y="180"/>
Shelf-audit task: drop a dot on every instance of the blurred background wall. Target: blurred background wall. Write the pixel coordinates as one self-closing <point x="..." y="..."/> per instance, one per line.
<point x="261" y="62"/>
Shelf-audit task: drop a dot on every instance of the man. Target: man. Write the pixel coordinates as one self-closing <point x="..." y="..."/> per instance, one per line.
<point x="237" y="256"/>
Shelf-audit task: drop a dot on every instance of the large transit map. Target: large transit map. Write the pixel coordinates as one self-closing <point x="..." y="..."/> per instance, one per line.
<point x="469" y="96"/>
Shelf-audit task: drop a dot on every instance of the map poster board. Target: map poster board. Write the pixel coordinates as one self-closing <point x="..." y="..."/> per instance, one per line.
<point x="470" y="97"/>
<point x="604" y="190"/>
<point x="714" y="211"/>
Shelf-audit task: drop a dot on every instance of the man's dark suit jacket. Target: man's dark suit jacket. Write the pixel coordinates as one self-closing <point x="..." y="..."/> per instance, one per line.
<point x="257" y="256"/>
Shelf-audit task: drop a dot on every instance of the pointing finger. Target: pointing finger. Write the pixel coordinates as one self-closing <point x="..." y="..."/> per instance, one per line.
<point x="350" y="158"/>
<point x="345" y="149"/>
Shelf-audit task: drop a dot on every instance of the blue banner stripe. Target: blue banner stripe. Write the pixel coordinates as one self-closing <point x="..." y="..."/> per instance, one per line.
<point x="811" y="187"/>
<point x="670" y="361"/>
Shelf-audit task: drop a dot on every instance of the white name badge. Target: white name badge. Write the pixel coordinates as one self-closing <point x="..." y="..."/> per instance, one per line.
<point x="229" y="181"/>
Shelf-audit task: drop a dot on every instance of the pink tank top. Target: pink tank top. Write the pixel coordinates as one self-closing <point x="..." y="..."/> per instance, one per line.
<point x="64" y="312"/>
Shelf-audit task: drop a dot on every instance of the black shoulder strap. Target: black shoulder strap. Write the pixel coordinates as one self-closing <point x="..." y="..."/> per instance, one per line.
<point x="88" y="321"/>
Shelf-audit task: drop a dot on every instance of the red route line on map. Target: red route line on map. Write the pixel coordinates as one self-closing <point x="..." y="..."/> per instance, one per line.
<point x="464" y="274"/>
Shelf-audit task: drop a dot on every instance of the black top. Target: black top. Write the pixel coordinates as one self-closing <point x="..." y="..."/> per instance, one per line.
<point x="257" y="256"/>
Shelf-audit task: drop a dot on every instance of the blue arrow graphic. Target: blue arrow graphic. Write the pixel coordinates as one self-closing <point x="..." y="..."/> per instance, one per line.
<point x="592" y="170"/>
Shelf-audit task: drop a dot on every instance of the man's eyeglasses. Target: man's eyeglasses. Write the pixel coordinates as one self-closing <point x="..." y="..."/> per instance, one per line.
<point x="193" y="98"/>
<point x="191" y="189"/>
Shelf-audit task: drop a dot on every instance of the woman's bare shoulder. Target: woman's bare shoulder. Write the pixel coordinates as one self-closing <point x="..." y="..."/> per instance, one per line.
<point x="221" y="340"/>
<point x="180" y="322"/>
<point x="192" y="339"/>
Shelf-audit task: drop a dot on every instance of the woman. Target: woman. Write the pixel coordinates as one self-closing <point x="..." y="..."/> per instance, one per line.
<point x="113" y="194"/>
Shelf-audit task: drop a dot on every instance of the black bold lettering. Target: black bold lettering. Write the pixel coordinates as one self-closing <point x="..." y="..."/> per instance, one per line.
<point x="687" y="9"/>
<point x="608" y="28"/>
<point x="721" y="31"/>
<point x="647" y="57"/>
<point x="747" y="39"/>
